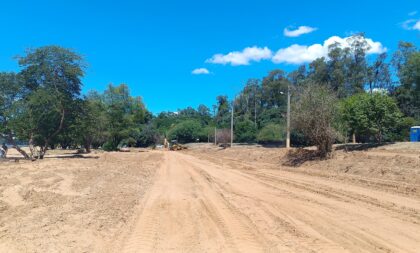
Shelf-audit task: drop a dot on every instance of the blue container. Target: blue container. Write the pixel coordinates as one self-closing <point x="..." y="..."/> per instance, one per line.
<point x="415" y="134"/>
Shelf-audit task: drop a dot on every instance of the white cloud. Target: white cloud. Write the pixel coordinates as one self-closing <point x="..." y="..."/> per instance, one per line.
<point x="380" y="90"/>
<point x="299" y="31"/>
<point x="243" y="57"/>
<point x="200" y="71"/>
<point x="417" y="25"/>
<point x="412" y="13"/>
<point x="411" y="24"/>
<point x="298" y="54"/>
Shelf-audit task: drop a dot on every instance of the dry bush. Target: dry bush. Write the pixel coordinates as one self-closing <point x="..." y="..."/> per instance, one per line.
<point x="223" y="135"/>
<point x="313" y="114"/>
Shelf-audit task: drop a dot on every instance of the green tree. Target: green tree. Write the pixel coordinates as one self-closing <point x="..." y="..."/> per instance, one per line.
<point x="408" y="93"/>
<point x="148" y="136"/>
<point x="271" y="133"/>
<point x="338" y="64"/>
<point x="401" y="57"/>
<point x="223" y="112"/>
<point x="318" y="71"/>
<point x="52" y="75"/>
<point x="298" y="77"/>
<point x="245" y="131"/>
<point x="186" y="131"/>
<point x="379" y="75"/>
<point x="124" y="115"/>
<point x="11" y="93"/>
<point x="273" y="87"/>
<point x="375" y="115"/>
<point x="249" y="101"/>
<point x="90" y="125"/>
<point x="204" y="114"/>
<point x="357" y="74"/>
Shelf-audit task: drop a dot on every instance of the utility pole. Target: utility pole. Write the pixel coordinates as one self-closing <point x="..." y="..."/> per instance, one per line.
<point x="215" y="135"/>
<point x="215" y="125"/>
<point x="231" y="124"/>
<point x="255" y="106"/>
<point x="288" y="118"/>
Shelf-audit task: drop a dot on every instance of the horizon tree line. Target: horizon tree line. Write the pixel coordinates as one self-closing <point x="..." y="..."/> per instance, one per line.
<point x="375" y="99"/>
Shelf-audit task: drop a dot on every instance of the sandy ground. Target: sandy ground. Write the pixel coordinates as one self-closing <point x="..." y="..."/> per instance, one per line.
<point x="206" y="199"/>
<point x="70" y="204"/>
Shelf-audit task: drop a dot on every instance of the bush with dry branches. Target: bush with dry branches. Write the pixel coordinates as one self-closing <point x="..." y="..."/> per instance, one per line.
<point x="313" y="113"/>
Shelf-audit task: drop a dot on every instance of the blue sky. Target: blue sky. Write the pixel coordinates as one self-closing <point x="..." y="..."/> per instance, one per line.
<point x="154" y="46"/>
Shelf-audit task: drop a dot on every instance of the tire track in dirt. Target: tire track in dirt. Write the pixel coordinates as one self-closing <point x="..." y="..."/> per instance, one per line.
<point x="200" y="206"/>
<point x="237" y="229"/>
<point x="331" y="189"/>
<point x="277" y="231"/>
<point x="387" y="185"/>
<point x="407" y="209"/>
<point x="350" y="219"/>
<point x="183" y="213"/>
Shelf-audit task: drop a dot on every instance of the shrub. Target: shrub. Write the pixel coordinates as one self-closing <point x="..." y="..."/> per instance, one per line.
<point x="109" y="146"/>
<point x="223" y="135"/>
<point x="186" y="131"/>
<point x="271" y="133"/>
<point x="129" y="142"/>
<point x="245" y="131"/>
<point x="206" y="134"/>
<point x="375" y="116"/>
<point x="148" y="136"/>
<point x="313" y="115"/>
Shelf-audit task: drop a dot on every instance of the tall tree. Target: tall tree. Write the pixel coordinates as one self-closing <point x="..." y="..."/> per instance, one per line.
<point x="338" y="64"/>
<point x="401" y="56"/>
<point x="357" y="74"/>
<point x="274" y="85"/>
<point x="298" y="77"/>
<point x="318" y="71"/>
<point x="53" y="75"/>
<point x="379" y="75"/>
<point x="124" y="114"/>
<point x="406" y="61"/>
<point x="248" y="103"/>
<point x="408" y="93"/>
<point x="223" y="112"/>
<point x="11" y="93"/>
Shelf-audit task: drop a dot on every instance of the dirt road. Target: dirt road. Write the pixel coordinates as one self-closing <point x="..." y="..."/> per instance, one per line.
<point x="204" y="205"/>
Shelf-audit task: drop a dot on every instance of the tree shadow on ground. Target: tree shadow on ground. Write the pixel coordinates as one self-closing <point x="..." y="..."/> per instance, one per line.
<point x="361" y="146"/>
<point x="73" y="156"/>
<point x="279" y="144"/>
<point x="297" y="157"/>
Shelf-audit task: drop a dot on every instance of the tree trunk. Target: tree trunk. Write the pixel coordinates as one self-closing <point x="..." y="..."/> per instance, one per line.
<point x="379" y="137"/>
<point x="87" y="145"/>
<point x="354" y="138"/>
<point x="21" y="151"/>
<point x="43" y="151"/>
<point x="15" y="146"/>
<point x="31" y="146"/>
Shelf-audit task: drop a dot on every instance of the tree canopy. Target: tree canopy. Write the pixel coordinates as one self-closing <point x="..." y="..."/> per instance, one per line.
<point x="378" y="100"/>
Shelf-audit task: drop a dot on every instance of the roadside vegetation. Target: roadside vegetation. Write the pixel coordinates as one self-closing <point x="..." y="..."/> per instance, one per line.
<point x="346" y="96"/>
